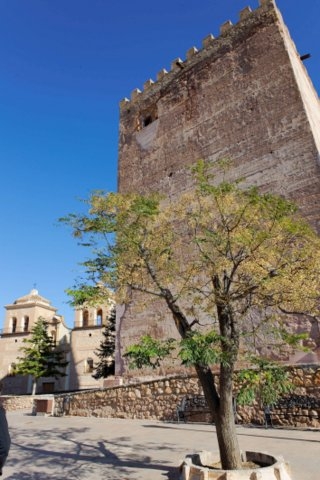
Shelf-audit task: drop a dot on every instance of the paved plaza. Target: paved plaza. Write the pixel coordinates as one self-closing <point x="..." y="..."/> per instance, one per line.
<point x="71" y="448"/>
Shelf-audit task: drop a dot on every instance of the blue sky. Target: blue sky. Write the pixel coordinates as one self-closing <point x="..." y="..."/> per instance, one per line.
<point x="64" y="67"/>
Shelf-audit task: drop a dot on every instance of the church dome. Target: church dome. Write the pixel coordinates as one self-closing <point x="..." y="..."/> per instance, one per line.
<point x="32" y="297"/>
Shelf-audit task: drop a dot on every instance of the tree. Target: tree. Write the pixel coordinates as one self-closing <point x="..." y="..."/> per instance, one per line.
<point x="40" y="355"/>
<point x="105" y="352"/>
<point x="229" y="265"/>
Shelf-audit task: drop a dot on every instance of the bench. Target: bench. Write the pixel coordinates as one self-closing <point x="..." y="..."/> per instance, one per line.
<point x="192" y="407"/>
<point x="292" y="407"/>
<point x="195" y="408"/>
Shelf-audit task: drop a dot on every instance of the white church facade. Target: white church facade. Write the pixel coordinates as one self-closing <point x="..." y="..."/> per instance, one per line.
<point x="77" y="344"/>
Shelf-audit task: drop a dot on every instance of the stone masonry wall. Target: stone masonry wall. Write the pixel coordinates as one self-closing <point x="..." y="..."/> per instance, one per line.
<point x="244" y="95"/>
<point x="13" y="403"/>
<point x="158" y="399"/>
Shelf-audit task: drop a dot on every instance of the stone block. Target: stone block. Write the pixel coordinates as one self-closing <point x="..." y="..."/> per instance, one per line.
<point x="226" y="27"/>
<point x="245" y="13"/>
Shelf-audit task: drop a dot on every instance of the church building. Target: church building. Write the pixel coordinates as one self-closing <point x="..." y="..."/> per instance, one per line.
<point x="77" y="344"/>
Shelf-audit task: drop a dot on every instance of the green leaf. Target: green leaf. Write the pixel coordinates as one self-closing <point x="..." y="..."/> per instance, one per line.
<point x="265" y="382"/>
<point x="149" y="352"/>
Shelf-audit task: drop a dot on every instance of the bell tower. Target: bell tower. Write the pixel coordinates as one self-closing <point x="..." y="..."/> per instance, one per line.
<point x="21" y="316"/>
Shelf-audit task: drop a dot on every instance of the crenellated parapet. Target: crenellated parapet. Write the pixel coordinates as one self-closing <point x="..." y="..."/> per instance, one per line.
<point x="227" y="30"/>
<point x="245" y="96"/>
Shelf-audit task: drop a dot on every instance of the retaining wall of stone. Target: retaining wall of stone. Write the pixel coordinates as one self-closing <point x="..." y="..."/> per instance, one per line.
<point x="12" y="403"/>
<point x="158" y="400"/>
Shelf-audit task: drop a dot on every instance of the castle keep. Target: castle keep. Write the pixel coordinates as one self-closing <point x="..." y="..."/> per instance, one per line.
<point x="245" y="96"/>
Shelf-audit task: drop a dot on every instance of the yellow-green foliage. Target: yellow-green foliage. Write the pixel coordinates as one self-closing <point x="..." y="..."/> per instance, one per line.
<point x="228" y="265"/>
<point x="228" y="258"/>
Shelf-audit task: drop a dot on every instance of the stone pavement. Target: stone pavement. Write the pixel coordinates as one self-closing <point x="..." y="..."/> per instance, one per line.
<point x="77" y="448"/>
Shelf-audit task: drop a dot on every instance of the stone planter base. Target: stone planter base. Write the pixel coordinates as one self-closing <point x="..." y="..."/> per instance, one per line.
<point x="197" y="467"/>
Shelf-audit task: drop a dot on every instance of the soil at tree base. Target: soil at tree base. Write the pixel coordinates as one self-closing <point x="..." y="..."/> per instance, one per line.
<point x="244" y="465"/>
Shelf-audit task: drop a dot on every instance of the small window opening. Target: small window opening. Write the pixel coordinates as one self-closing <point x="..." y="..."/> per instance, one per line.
<point x="85" y="318"/>
<point x="99" y="317"/>
<point x="26" y="324"/>
<point x="148" y="119"/>
<point x="14" y="325"/>
<point x="88" y="365"/>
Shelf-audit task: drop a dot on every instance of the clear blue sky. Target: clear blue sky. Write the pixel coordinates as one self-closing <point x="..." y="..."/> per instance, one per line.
<point x="64" y="67"/>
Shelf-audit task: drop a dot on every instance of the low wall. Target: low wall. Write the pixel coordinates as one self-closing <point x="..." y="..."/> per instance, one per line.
<point x="158" y="400"/>
<point x="306" y="381"/>
<point x="155" y="399"/>
<point x="12" y="403"/>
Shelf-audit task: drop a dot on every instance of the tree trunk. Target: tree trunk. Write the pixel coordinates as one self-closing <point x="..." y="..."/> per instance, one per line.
<point x="34" y="386"/>
<point x="225" y="425"/>
<point x="221" y="409"/>
<point x="225" y="422"/>
<point x="220" y="405"/>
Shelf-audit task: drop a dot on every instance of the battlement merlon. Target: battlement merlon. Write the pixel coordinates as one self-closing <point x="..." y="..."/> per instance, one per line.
<point x="266" y="13"/>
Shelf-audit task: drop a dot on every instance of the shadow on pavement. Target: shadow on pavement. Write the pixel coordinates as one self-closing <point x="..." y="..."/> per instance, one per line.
<point x="56" y="454"/>
<point x="242" y="433"/>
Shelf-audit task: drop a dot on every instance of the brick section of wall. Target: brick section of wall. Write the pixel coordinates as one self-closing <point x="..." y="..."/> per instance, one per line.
<point x="158" y="399"/>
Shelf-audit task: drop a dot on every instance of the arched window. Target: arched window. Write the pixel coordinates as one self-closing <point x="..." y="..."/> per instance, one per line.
<point x="99" y="316"/>
<point x="85" y="318"/>
<point x="26" y="324"/>
<point x="13" y="324"/>
<point x="88" y="365"/>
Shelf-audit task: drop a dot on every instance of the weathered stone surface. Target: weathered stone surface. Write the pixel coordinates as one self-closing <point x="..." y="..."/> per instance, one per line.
<point x="149" y="400"/>
<point x="246" y="96"/>
<point x="195" y="467"/>
<point x="12" y="403"/>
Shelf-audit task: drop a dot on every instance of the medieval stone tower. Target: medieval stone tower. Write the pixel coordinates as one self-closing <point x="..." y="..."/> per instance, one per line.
<point x="244" y="95"/>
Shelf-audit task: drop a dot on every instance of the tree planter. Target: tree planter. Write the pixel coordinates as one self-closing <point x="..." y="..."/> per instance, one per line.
<point x="197" y="467"/>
